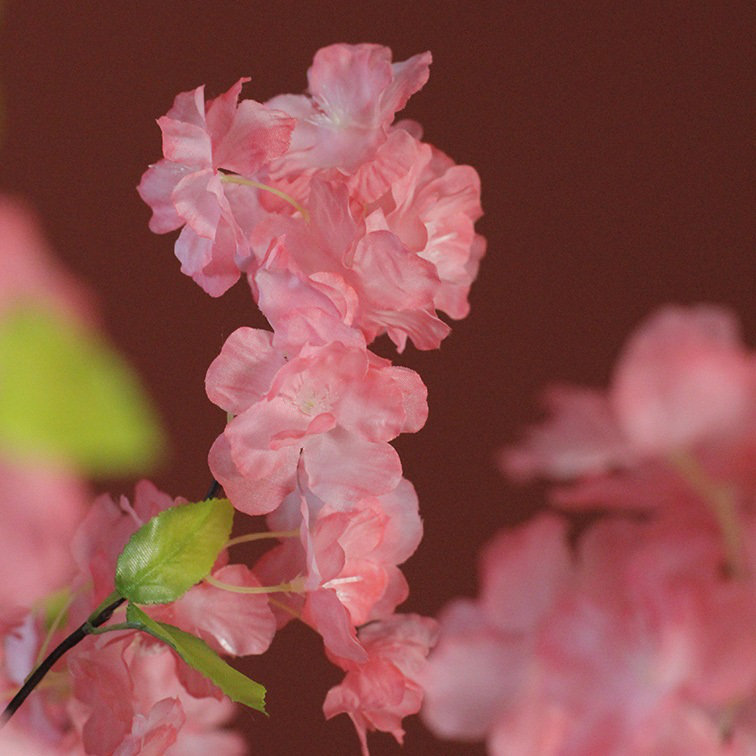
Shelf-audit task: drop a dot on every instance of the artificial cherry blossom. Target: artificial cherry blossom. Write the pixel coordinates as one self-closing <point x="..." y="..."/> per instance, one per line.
<point x="380" y="692"/>
<point x="186" y="188"/>
<point x="347" y="561"/>
<point x="338" y="406"/>
<point x="354" y="93"/>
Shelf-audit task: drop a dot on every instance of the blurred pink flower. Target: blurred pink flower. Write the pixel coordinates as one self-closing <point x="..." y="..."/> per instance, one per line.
<point x="684" y="380"/>
<point x="127" y="694"/>
<point x="28" y="270"/>
<point x="41" y="507"/>
<point x="637" y="644"/>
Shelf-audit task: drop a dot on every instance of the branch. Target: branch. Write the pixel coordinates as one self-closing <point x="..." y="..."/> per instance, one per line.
<point x="68" y="643"/>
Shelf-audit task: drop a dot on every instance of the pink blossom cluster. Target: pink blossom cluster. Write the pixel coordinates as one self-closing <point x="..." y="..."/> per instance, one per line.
<point x="639" y="635"/>
<point x="347" y="226"/>
<point x="340" y="219"/>
<point x="122" y="693"/>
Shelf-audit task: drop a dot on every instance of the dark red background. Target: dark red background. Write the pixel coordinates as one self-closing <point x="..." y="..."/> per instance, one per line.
<point x="613" y="141"/>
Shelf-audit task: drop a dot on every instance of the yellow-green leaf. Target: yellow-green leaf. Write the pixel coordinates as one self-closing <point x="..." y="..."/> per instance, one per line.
<point x="198" y="654"/>
<point x="173" y="551"/>
<point x="65" y="394"/>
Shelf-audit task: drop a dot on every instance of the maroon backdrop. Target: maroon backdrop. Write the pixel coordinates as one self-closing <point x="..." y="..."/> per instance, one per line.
<point x="613" y="143"/>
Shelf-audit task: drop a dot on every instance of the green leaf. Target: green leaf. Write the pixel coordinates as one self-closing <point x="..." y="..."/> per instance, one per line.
<point x="173" y="551"/>
<point x="196" y="653"/>
<point x="65" y="394"/>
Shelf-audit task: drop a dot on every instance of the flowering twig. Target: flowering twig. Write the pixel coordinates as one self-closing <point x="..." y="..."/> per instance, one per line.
<point x="78" y="635"/>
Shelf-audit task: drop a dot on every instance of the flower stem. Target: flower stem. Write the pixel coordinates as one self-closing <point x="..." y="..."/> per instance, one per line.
<point x="721" y="501"/>
<point x="285" y="608"/>
<point x="294" y="586"/>
<point x="100" y="617"/>
<point x="259" y="536"/>
<point x="233" y="179"/>
<point x="54" y="625"/>
<point x="214" y="490"/>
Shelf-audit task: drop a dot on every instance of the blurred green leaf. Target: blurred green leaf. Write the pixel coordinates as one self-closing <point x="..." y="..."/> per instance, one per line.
<point x="198" y="654"/>
<point x="173" y="551"/>
<point x="65" y="394"/>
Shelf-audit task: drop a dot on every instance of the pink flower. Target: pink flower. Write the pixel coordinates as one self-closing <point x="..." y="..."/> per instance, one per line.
<point x="129" y="701"/>
<point x="233" y="623"/>
<point x="481" y="663"/>
<point x="684" y="378"/>
<point x="41" y="507"/>
<point x="187" y="188"/>
<point x="115" y="694"/>
<point x="106" y="528"/>
<point x="668" y="489"/>
<point x="335" y="405"/>
<point x="386" y="224"/>
<point x="15" y="741"/>
<point x="378" y="284"/>
<point x="127" y="694"/>
<point x="580" y="436"/>
<point x="28" y="270"/>
<point x="305" y="308"/>
<point x="683" y="381"/>
<point x="396" y="290"/>
<point x="44" y="721"/>
<point x="355" y="91"/>
<point x="346" y="559"/>
<point x="637" y="643"/>
<point x="380" y="692"/>
<point x="432" y="208"/>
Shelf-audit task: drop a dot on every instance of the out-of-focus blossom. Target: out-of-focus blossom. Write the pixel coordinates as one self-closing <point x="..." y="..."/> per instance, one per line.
<point x="41" y="506"/>
<point x="684" y="381"/>
<point x="638" y="643"/>
<point x="29" y="273"/>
